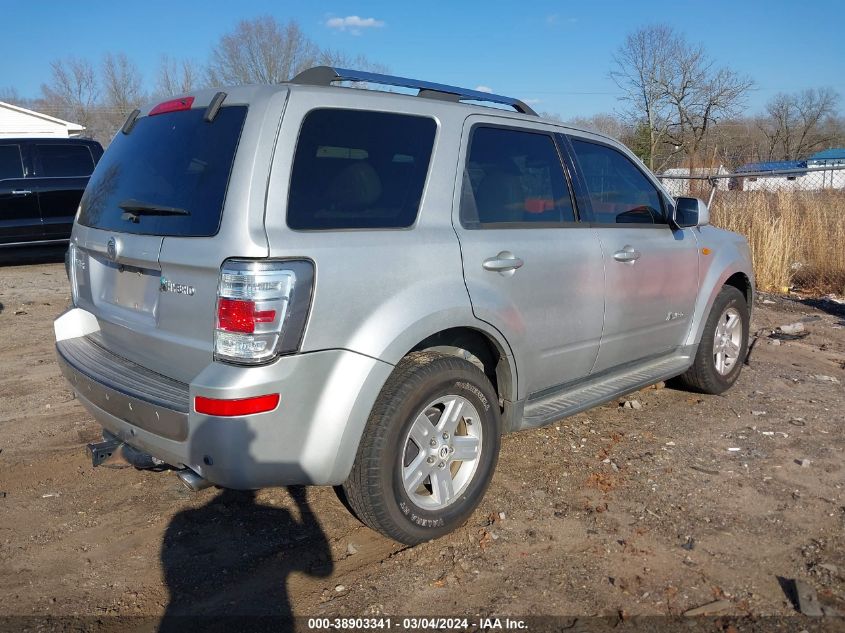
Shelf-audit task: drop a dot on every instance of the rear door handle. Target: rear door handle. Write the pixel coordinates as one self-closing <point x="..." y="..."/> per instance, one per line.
<point x="21" y="192"/>
<point x="505" y="263"/>
<point x="627" y="255"/>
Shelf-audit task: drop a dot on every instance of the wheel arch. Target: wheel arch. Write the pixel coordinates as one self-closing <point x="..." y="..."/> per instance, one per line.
<point x="733" y="276"/>
<point x="449" y="335"/>
<point x="481" y="349"/>
<point x="742" y="282"/>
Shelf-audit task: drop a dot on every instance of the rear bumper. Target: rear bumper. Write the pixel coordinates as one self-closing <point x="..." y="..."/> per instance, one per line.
<point x="310" y="438"/>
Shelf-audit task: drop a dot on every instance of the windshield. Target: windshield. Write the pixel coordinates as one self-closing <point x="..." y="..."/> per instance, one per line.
<point x="175" y="160"/>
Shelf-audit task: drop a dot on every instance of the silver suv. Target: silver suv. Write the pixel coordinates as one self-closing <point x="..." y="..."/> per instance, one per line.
<point x="316" y="284"/>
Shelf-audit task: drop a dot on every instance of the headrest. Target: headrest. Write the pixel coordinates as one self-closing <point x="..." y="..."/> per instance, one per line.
<point x="356" y="186"/>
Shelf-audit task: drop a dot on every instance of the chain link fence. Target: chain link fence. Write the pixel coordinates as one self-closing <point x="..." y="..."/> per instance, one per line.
<point x="793" y="217"/>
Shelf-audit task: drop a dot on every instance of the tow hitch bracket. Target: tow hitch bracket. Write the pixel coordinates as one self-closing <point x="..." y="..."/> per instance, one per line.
<point x="101" y="451"/>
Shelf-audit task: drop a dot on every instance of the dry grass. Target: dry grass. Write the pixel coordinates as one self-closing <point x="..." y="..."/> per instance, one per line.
<point x="796" y="238"/>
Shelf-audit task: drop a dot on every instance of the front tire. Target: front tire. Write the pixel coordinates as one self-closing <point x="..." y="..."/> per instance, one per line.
<point x="723" y="346"/>
<point x="428" y="451"/>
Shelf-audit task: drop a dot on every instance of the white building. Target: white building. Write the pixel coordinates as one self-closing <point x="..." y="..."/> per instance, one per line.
<point x="789" y="176"/>
<point x="677" y="180"/>
<point x="17" y="122"/>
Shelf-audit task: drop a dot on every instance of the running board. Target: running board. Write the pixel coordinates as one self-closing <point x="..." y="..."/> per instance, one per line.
<point x="586" y="395"/>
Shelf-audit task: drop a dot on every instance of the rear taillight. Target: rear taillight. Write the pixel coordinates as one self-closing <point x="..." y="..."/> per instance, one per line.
<point x="262" y="307"/>
<point x="75" y="264"/>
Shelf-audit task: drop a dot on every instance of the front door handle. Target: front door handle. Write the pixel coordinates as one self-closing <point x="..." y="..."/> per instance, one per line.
<point x="21" y="192"/>
<point x="627" y="255"/>
<point x="504" y="263"/>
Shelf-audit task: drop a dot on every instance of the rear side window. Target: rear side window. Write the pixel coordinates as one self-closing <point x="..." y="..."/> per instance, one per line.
<point x="514" y="177"/>
<point x="11" y="165"/>
<point x="619" y="192"/>
<point x="64" y="160"/>
<point x="355" y="169"/>
<point x="176" y="165"/>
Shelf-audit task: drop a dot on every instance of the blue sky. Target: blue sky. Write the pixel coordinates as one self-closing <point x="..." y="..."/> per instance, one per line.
<point x="554" y="54"/>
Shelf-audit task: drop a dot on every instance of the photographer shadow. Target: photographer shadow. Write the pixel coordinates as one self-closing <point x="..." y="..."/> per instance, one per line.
<point x="227" y="563"/>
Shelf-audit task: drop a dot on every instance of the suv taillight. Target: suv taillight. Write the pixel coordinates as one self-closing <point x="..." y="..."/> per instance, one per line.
<point x="75" y="261"/>
<point x="262" y="307"/>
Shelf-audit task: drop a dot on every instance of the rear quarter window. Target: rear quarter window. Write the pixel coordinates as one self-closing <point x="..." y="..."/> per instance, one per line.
<point x="11" y="165"/>
<point x="356" y="169"/>
<point x="63" y="160"/>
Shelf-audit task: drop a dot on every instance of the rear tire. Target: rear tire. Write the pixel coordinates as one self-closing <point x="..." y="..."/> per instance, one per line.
<point x="723" y="346"/>
<point x="428" y="451"/>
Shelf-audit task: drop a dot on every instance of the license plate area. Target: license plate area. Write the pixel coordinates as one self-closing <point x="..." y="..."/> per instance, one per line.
<point x="123" y="290"/>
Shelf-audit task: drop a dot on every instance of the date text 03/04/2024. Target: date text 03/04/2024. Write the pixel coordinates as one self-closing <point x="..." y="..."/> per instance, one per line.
<point x="416" y="624"/>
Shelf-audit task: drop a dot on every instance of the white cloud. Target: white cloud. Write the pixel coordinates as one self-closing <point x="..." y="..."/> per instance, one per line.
<point x="354" y="24"/>
<point x="484" y="89"/>
<point x="532" y="101"/>
<point x="554" y="19"/>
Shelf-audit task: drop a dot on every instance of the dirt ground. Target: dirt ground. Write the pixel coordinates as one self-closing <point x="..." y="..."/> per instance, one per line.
<point x="686" y="501"/>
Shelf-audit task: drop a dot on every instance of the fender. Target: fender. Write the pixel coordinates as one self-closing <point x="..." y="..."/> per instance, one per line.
<point x="456" y="317"/>
<point x="419" y="330"/>
<point x="729" y="255"/>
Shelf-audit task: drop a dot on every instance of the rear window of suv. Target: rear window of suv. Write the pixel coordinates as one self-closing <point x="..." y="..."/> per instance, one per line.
<point x="356" y="169"/>
<point x="174" y="161"/>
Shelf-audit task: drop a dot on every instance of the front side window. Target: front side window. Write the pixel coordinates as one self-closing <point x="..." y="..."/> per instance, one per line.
<point x="64" y="160"/>
<point x="619" y="192"/>
<point x="513" y="177"/>
<point x="356" y="169"/>
<point x="11" y="165"/>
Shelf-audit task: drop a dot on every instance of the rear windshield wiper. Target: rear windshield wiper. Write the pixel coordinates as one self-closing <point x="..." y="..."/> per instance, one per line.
<point x="134" y="209"/>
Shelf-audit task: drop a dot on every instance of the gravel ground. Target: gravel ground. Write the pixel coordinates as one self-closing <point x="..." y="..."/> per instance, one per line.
<point x="686" y="501"/>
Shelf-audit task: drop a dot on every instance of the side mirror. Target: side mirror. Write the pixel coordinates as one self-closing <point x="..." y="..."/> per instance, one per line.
<point x="691" y="212"/>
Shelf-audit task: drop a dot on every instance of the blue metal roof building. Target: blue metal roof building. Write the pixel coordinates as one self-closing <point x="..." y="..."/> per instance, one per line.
<point x="834" y="156"/>
<point x="796" y="166"/>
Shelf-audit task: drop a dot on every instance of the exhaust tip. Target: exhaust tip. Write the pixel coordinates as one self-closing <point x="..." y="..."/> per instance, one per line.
<point x="193" y="481"/>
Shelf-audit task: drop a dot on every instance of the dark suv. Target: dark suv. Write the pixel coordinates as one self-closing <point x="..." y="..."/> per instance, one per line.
<point x="41" y="183"/>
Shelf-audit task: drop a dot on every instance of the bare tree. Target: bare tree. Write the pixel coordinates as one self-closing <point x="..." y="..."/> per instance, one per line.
<point x="262" y="50"/>
<point x="73" y="91"/>
<point x="641" y="65"/>
<point x="674" y="91"/>
<point x="700" y="94"/>
<point x="799" y="123"/>
<point x="176" y="77"/>
<point x="330" y="57"/>
<point x="123" y="86"/>
<point x="736" y="141"/>
<point x="603" y="123"/>
<point x="10" y="94"/>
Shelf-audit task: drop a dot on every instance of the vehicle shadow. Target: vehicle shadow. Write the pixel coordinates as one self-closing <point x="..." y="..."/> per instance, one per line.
<point x="825" y="304"/>
<point x="226" y="563"/>
<point x="28" y="255"/>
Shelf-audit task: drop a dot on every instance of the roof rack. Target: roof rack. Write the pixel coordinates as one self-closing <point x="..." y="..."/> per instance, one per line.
<point x="326" y="75"/>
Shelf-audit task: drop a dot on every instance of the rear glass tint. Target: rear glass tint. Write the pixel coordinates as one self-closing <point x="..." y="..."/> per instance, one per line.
<point x="355" y="169"/>
<point x="175" y="160"/>
<point x="64" y="160"/>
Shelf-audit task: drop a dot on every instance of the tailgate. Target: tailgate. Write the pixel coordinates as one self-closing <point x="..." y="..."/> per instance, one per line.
<point x="156" y="312"/>
<point x="167" y="204"/>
